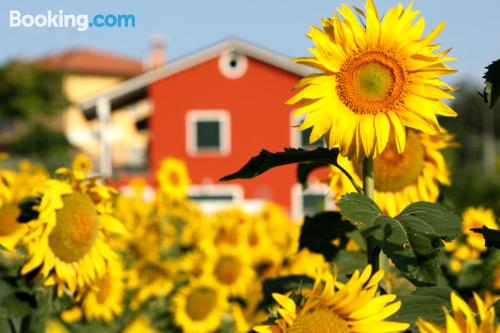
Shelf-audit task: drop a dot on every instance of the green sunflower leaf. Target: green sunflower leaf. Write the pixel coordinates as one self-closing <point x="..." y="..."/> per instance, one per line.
<point x="491" y="236"/>
<point x="413" y="240"/>
<point x="415" y="255"/>
<point x="16" y="305"/>
<point x="305" y="169"/>
<point x="431" y="219"/>
<point x="284" y="284"/>
<point x="496" y="306"/>
<point x="426" y="303"/>
<point x="267" y="160"/>
<point x="319" y="232"/>
<point x="360" y="210"/>
<point x="492" y="83"/>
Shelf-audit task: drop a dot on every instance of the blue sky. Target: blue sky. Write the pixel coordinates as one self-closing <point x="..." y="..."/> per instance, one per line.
<point x="473" y="30"/>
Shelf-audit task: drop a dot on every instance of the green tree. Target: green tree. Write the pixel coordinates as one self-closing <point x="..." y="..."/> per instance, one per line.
<point x="475" y="128"/>
<point x="27" y="90"/>
<point x="30" y="98"/>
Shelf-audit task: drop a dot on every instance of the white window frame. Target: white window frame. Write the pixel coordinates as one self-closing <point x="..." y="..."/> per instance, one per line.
<point x="223" y="117"/>
<point x="314" y="188"/>
<point x="296" y="133"/>
<point x="236" y="191"/>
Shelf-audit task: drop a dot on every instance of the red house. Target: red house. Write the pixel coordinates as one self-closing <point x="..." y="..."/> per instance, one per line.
<point x="215" y="109"/>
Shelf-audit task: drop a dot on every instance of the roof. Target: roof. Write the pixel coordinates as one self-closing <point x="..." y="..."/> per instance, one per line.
<point x="88" y="61"/>
<point x="126" y="90"/>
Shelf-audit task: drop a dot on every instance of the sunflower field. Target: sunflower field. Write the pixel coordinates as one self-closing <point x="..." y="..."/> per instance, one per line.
<point x="392" y="256"/>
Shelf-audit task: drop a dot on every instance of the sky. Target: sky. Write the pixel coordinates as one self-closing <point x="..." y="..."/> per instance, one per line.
<point x="473" y="31"/>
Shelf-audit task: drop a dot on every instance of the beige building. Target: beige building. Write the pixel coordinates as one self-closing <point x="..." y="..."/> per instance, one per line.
<point x="87" y="73"/>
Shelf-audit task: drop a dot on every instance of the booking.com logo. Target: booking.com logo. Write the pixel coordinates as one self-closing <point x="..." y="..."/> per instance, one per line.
<point x="81" y="22"/>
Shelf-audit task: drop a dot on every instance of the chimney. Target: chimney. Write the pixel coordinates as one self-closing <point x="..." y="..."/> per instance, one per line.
<point x="157" y="56"/>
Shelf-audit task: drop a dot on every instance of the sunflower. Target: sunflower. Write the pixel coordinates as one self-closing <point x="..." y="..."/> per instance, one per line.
<point x="477" y="218"/>
<point x="104" y="300"/>
<point x="463" y="318"/>
<point x="460" y="253"/>
<point x="55" y="326"/>
<point x="140" y="324"/>
<point x="147" y="240"/>
<point x="81" y="166"/>
<point x="378" y="77"/>
<point x="11" y="232"/>
<point x="198" y="306"/>
<point x="400" y="179"/>
<point x="13" y="187"/>
<point x="6" y="180"/>
<point x="192" y="263"/>
<point x="229" y="227"/>
<point x="231" y="267"/>
<point x="67" y="240"/>
<point x="151" y="279"/>
<point x="332" y="307"/>
<point x="307" y="263"/>
<point x="173" y="178"/>
<point x="278" y="225"/>
<point x="136" y="215"/>
<point x="266" y="256"/>
<point x="244" y="318"/>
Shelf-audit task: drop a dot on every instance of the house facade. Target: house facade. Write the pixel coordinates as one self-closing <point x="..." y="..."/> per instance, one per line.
<point x="88" y="72"/>
<point x="215" y="109"/>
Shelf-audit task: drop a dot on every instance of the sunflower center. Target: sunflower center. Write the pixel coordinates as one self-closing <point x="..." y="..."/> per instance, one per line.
<point x="174" y="178"/>
<point x="200" y="302"/>
<point x="76" y="227"/>
<point x="151" y="273"/>
<point x="229" y="236"/>
<point x="227" y="269"/>
<point x="8" y="219"/>
<point x="319" y="321"/>
<point x="371" y="82"/>
<point x="393" y="171"/>
<point x="253" y="238"/>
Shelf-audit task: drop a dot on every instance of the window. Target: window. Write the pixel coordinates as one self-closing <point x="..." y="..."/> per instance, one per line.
<point x="310" y="201"/>
<point x="233" y="65"/>
<point x="208" y="132"/>
<point x="300" y="139"/>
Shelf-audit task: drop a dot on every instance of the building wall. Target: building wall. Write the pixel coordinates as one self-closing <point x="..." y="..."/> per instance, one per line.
<point x="127" y="141"/>
<point x="259" y="119"/>
<point x="79" y="86"/>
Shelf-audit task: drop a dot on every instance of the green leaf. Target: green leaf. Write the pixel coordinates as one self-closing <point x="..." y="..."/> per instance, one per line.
<point x="414" y="254"/>
<point x="284" y="284"/>
<point x="425" y="303"/>
<point x="412" y="240"/>
<point x="305" y="169"/>
<point x="359" y="209"/>
<point x="6" y="327"/>
<point x="492" y="83"/>
<point x="318" y="233"/>
<point x="496" y="306"/>
<point x="347" y="262"/>
<point x="431" y="219"/>
<point x="491" y="236"/>
<point x="5" y="289"/>
<point x="16" y="305"/>
<point x="267" y="160"/>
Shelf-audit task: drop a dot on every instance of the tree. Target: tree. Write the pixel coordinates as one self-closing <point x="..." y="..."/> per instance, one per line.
<point x="27" y="90"/>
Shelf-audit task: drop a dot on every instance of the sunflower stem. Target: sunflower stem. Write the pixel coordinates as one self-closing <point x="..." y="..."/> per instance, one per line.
<point x="372" y="250"/>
